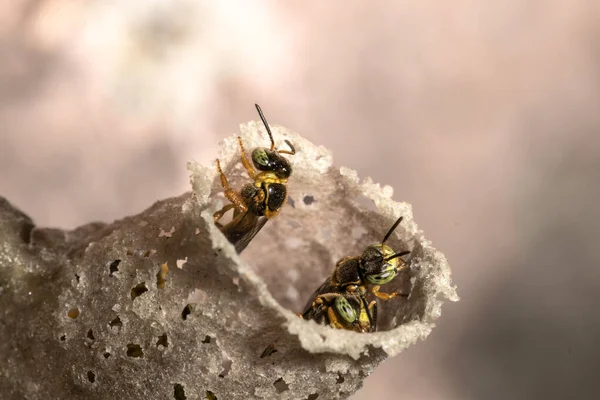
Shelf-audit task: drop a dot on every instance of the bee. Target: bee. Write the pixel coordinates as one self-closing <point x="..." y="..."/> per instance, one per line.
<point x="261" y="200"/>
<point x="343" y="310"/>
<point x="353" y="275"/>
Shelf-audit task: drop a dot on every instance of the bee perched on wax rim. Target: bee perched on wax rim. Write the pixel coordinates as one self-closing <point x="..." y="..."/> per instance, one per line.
<point x="261" y="200"/>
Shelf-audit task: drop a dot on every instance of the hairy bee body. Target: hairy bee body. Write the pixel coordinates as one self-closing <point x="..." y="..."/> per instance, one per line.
<point x="353" y="276"/>
<point x="342" y="310"/>
<point x="261" y="200"/>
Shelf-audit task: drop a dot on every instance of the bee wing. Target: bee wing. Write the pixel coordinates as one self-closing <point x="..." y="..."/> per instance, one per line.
<point x="245" y="240"/>
<point x="242" y="229"/>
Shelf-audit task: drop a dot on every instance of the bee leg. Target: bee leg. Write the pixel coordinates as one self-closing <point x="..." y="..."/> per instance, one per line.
<point x="386" y="296"/>
<point x="351" y="288"/>
<point x="373" y="315"/>
<point x="231" y="194"/>
<point x="326" y="297"/>
<point x="245" y="162"/>
<point x="219" y="214"/>
<point x="315" y="307"/>
<point x="333" y="321"/>
<point x="319" y="307"/>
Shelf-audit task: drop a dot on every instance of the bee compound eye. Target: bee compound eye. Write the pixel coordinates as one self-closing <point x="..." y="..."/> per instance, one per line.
<point x="345" y="310"/>
<point x="260" y="157"/>
<point x="381" y="278"/>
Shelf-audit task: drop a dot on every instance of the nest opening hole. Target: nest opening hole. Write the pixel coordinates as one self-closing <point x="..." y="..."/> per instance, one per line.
<point x="308" y="200"/>
<point x="134" y="350"/>
<point x="281" y="385"/>
<point x="207" y="339"/>
<point x="187" y="310"/>
<point x="162" y="341"/>
<point x="138" y="290"/>
<point x="114" y="267"/>
<point x="91" y="376"/>
<point x="116" y="323"/>
<point x="179" y="392"/>
<point x="210" y="395"/>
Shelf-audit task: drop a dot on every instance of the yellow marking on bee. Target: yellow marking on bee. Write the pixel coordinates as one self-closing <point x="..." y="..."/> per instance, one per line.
<point x="267" y="177"/>
<point x="363" y="317"/>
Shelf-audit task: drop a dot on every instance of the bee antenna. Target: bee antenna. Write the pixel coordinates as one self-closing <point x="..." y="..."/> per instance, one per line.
<point x="387" y="235"/>
<point x="292" y="150"/>
<point x="264" y="121"/>
<point x="402" y="253"/>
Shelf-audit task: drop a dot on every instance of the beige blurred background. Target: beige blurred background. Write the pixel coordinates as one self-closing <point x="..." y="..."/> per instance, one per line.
<point x="483" y="115"/>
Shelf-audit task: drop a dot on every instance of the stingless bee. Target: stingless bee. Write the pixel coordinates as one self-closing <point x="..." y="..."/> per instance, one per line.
<point x="260" y="201"/>
<point x="343" y="310"/>
<point x="353" y="275"/>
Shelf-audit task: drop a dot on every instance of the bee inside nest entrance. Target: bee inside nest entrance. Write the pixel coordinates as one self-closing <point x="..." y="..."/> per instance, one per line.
<point x="297" y="251"/>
